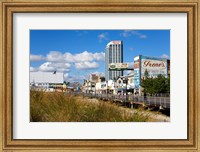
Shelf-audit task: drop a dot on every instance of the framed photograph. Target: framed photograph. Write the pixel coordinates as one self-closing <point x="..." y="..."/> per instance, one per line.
<point x="95" y="75"/>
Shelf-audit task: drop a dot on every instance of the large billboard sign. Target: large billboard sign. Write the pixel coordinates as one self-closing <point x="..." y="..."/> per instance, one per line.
<point x="118" y="66"/>
<point x="154" y="67"/>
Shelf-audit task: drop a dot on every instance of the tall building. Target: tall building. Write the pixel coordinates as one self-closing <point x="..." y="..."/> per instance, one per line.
<point x="113" y="54"/>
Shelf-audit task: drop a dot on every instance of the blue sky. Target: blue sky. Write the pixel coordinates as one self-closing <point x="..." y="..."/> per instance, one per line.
<point x="79" y="53"/>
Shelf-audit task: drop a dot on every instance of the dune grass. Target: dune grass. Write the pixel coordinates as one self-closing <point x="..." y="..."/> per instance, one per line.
<point x="59" y="107"/>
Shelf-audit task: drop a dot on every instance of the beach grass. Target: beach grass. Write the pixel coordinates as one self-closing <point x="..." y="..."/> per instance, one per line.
<point x="60" y="107"/>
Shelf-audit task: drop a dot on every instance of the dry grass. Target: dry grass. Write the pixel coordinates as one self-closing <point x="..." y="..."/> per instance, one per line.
<point x="59" y="107"/>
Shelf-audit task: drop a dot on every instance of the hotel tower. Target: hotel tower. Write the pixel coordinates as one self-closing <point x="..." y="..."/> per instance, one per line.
<point x="113" y="54"/>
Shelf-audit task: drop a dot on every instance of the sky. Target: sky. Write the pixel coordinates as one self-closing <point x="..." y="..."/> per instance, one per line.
<point x="79" y="53"/>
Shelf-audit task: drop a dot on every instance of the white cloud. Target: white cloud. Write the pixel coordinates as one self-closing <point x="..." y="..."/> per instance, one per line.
<point x="69" y="78"/>
<point x="164" y="56"/>
<point x="55" y="56"/>
<point x="86" y="65"/>
<point x="63" y="62"/>
<point x="47" y="67"/>
<point x="103" y="36"/>
<point x="32" y="69"/>
<point x="50" y="66"/>
<point x="129" y="33"/>
<point x="66" y="75"/>
<point x="36" y="57"/>
<point x="74" y="78"/>
<point x="99" y="56"/>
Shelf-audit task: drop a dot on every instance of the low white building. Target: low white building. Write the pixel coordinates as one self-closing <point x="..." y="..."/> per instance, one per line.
<point x="125" y="83"/>
<point x="89" y="87"/>
<point x="98" y="87"/>
<point x="47" y="81"/>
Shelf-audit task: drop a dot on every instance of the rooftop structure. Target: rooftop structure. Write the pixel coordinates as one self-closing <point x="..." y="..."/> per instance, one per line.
<point x="46" y="77"/>
<point x="96" y="78"/>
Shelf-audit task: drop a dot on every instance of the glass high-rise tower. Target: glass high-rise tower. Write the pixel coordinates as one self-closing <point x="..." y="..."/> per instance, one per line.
<point x="113" y="54"/>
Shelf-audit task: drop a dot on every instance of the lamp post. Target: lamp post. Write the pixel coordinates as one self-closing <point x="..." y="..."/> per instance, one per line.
<point x="106" y="89"/>
<point x="95" y="90"/>
<point x="125" y="80"/>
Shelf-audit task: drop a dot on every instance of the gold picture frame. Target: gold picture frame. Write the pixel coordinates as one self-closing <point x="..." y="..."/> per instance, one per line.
<point x="191" y="7"/>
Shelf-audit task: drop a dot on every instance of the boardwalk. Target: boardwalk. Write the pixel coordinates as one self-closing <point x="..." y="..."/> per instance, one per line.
<point x="160" y="102"/>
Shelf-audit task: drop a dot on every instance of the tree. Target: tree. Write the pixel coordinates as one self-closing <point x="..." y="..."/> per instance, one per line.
<point x="66" y="83"/>
<point x="160" y="84"/>
<point x="146" y="83"/>
<point x="146" y="74"/>
<point x="157" y="85"/>
<point x="168" y="84"/>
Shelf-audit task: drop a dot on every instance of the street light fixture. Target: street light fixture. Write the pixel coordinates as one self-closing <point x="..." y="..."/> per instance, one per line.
<point x="125" y="80"/>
